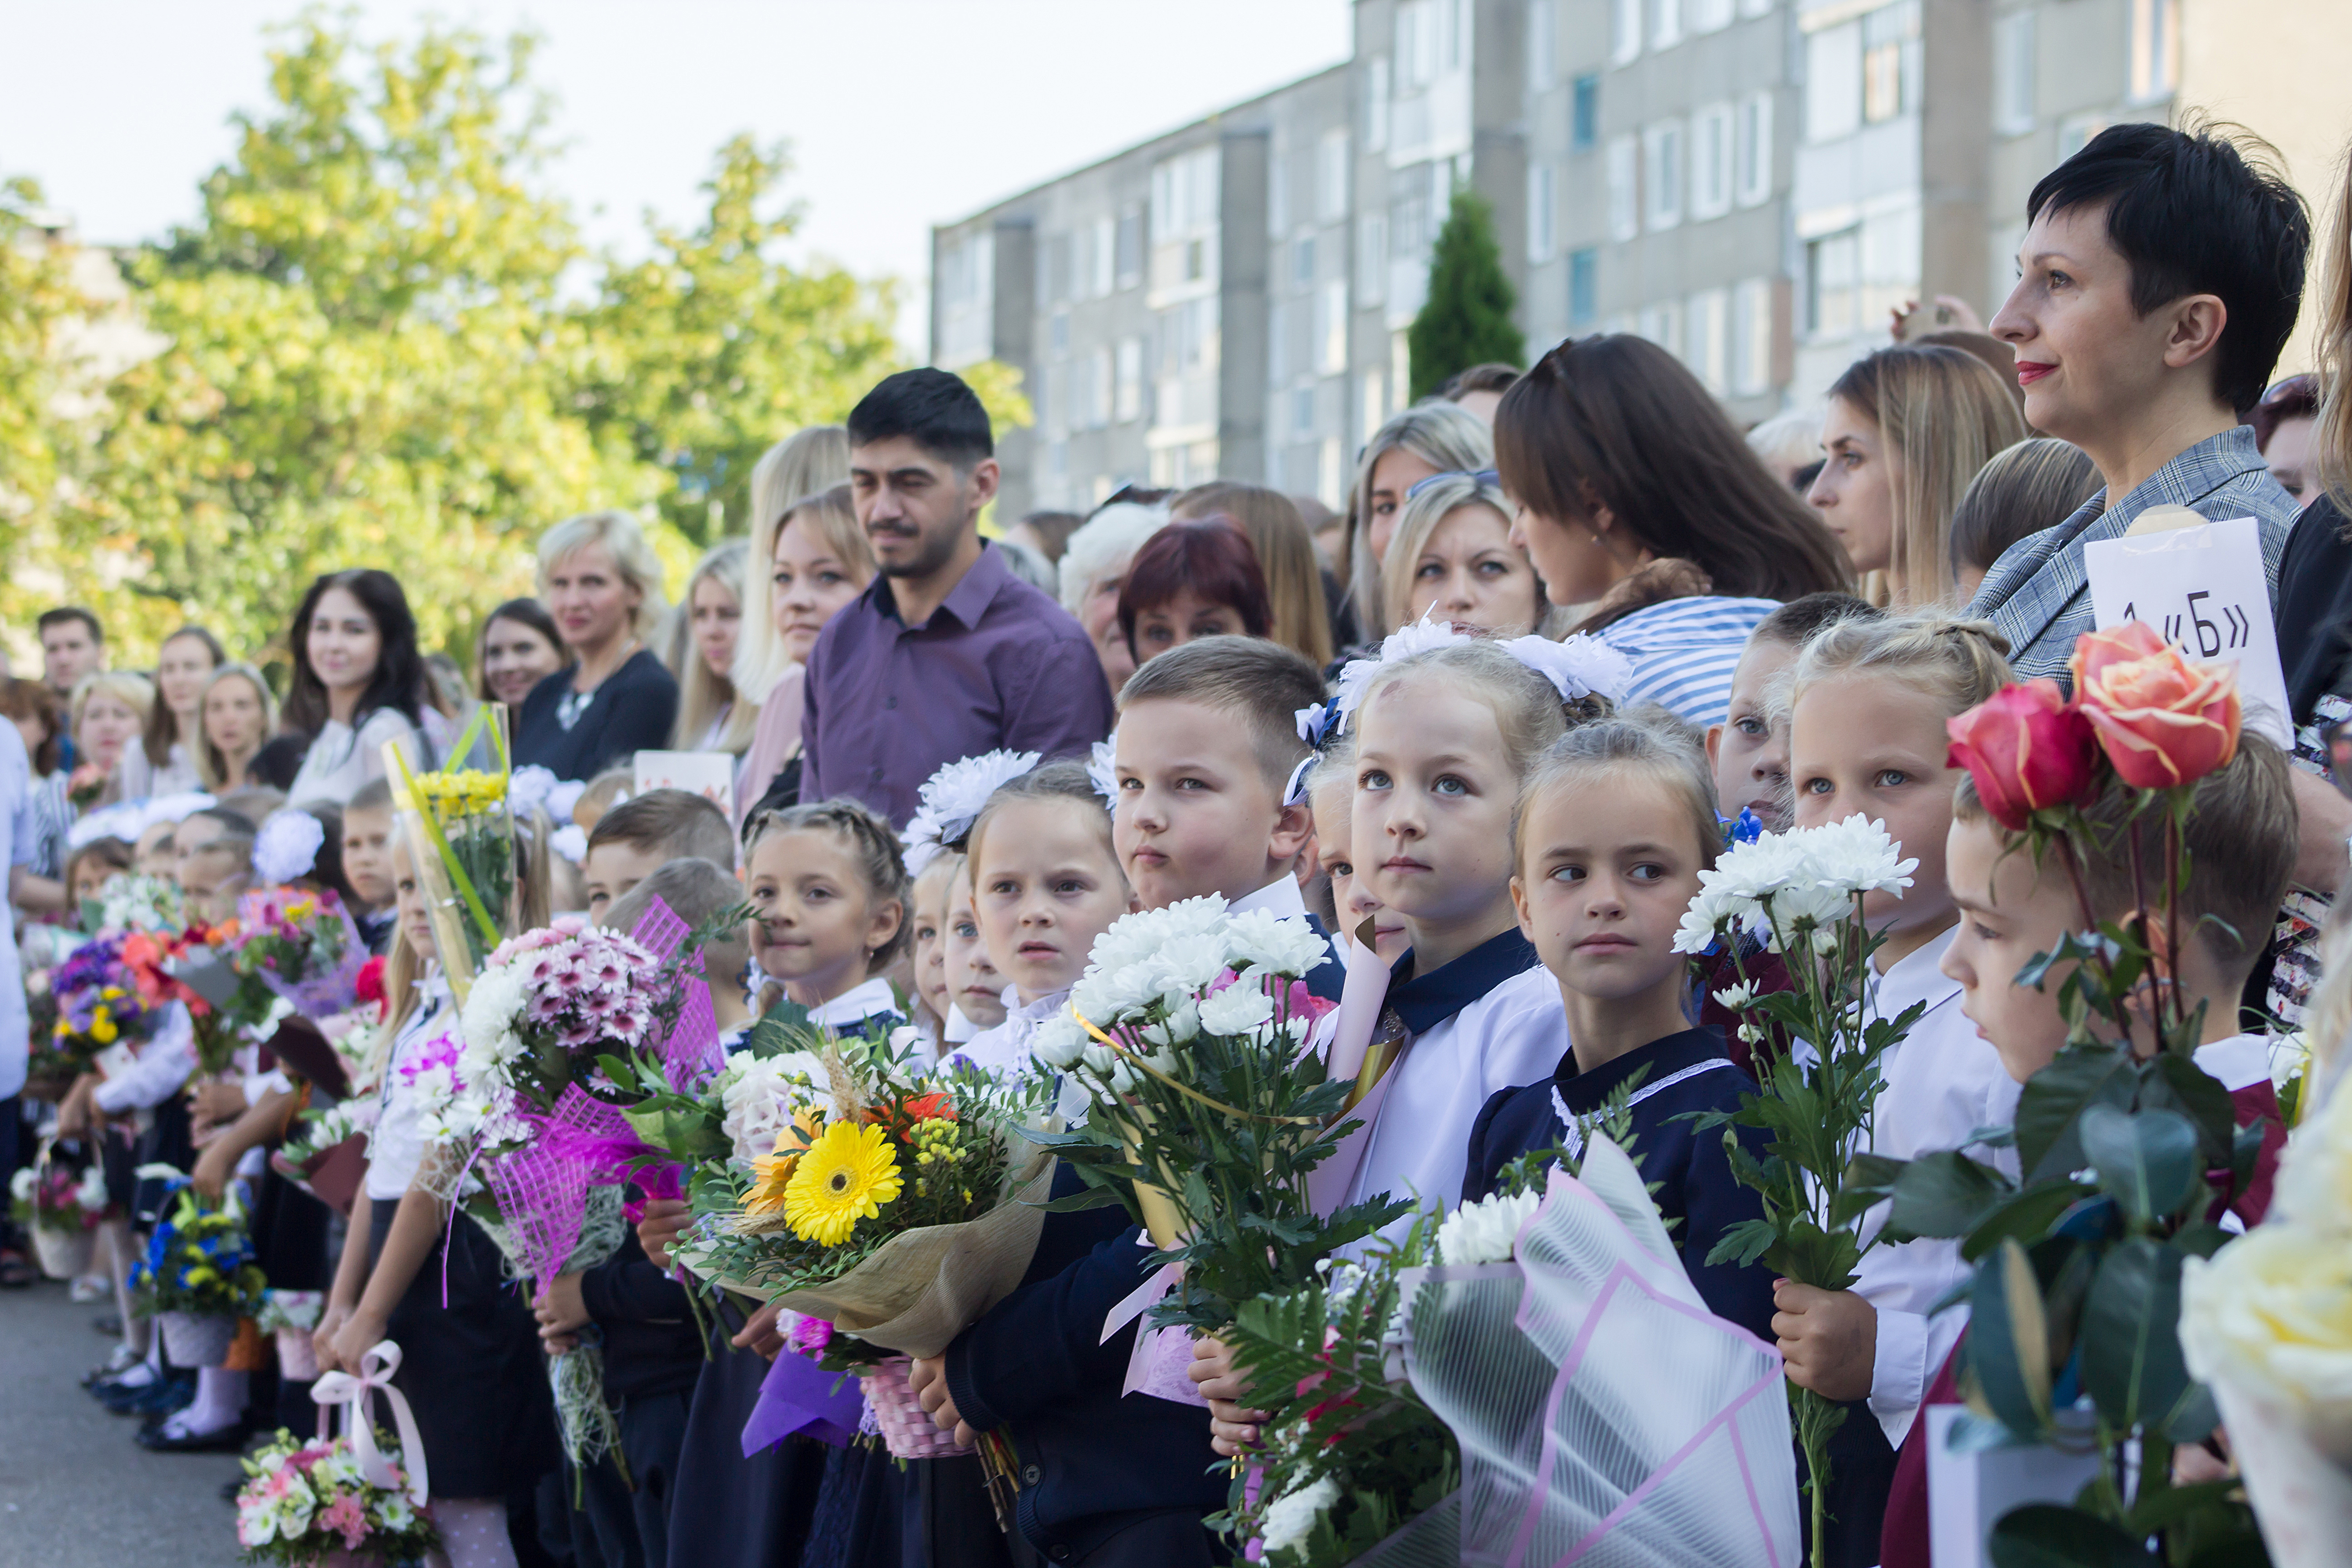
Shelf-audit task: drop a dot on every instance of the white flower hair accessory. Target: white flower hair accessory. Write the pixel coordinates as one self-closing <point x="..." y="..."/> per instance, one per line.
<point x="1580" y="666"/>
<point x="1102" y="767"/>
<point x="530" y="785"/>
<point x="570" y="841"/>
<point x="288" y="844"/>
<point x="951" y="800"/>
<point x="1419" y="637"/>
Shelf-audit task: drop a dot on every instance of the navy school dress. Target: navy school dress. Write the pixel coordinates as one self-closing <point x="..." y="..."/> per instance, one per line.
<point x="1689" y="1174"/>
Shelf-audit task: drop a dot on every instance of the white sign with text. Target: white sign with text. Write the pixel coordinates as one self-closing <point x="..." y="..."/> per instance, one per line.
<point x="2204" y="590"/>
<point x="710" y="774"/>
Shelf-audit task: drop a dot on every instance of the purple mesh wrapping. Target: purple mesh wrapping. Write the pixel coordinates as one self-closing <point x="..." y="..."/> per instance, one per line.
<point x="660" y="930"/>
<point x="692" y="1052"/>
<point x="540" y="1196"/>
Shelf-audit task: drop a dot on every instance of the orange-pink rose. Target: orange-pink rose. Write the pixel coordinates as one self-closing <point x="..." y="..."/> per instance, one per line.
<point x="2163" y="719"/>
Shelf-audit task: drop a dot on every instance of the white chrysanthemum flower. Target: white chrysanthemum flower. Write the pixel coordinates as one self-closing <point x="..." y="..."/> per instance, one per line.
<point x="1191" y="964"/>
<point x="1486" y="1231"/>
<point x="759" y="1094"/>
<point x="1135" y="938"/>
<point x="1856" y="855"/>
<point x="1287" y="947"/>
<point x="1290" y="1518"/>
<point x="491" y="1007"/>
<point x="1236" y="1010"/>
<point x="1737" y="998"/>
<point x="1181" y="1025"/>
<point x="1099" y="1059"/>
<point x="1059" y="1042"/>
<point x="21" y="1185"/>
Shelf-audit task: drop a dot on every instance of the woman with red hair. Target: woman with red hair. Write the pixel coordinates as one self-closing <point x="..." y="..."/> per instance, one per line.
<point x="1197" y="578"/>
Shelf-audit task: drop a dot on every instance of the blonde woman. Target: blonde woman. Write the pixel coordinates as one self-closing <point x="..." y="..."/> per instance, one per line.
<point x="109" y="712"/>
<point x="1908" y="428"/>
<point x="710" y="716"/>
<point x="818" y="562"/>
<point x="602" y="582"/>
<point x="806" y="463"/>
<point x="1452" y="559"/>
<point x="235" y="714"/>
<point x="1285" y="553"/>
<point x="1428" y="438"/>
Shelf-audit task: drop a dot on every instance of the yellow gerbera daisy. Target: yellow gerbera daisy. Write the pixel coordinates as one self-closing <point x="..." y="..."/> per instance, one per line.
<point x="775" y="1174"/>
<point x="847" y="1176"/>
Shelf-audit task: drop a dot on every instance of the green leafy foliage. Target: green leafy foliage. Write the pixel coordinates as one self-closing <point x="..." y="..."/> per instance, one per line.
<point x="1466" y="317"/>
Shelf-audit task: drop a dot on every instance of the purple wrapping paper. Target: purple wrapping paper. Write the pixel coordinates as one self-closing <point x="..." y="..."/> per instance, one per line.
<point x="799" y="1395"/>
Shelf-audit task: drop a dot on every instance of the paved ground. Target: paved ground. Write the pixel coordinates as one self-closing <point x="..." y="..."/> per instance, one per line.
<point x="75" y="1491"/>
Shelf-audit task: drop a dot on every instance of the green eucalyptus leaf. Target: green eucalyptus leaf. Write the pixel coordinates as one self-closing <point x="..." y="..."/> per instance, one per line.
<point x="2146" y="1159"/>
<point x="2132" y="1362"/>
<point x="1944" y="1195"/>
<point x="2008" y="1342"/>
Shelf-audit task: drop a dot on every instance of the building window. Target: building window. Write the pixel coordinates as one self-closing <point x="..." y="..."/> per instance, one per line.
<point x="1098" y="388"/>
<point x="1277" y="341"/>
<point x="1302" y="261"/>
<point x="1624" y="188"/>
<point x="1624" y="32"/>
<point x="1751" y="337"/>
<point x="1661" y="156"/>
<point x="1663" y="325"/>
<point x="1584" y="113"/>
<point x="1376" y="104"/>
<point x="1372" y="258"/>
<point x="1302" y="413"/>
<point x="1130" y="398"/>
<point x="1420" y="42"/>
<point x="1184" y="195"/>
<point x="1058" y="331"/>
<point x="1755" y="7"/>
<point x="1665" y="24"/>
<point x="1833" y="282"/>
<point x="1584" y="287"/>
<point x="1333" y="338"/>
<point x="2074" y="134"/>
<point x="1331" y="177"/>
<point x="1710" y="339"/>
<point x="1130" y="248"/>
<point x="1542" y="43"/>
<point x="2012" y="73"/>
<point x="1755" y="179"/>
<point x="1539" y="213"/>
<point x="1890" y="61"/>
<point x="1711" y="146"/>
<point x="2155" y="48"/>
<point x="1373" y="410"/>
<point x="1833" y="82"/>
<point x="1105" y="257"/>
<point x="1708" y="16"/>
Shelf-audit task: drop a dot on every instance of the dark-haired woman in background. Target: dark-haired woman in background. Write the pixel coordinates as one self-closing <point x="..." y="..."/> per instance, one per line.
<point x="1197" y="578"/>
<point x="358" y="682"/>
<point x="1638" y="497"/>
<point x="519" y="646"/>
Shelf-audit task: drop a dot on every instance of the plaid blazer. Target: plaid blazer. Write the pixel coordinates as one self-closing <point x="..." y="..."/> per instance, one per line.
<point x="2038" y="593"/>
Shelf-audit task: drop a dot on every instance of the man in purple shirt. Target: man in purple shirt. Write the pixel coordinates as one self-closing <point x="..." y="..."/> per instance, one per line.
<point x="947" y="653"/>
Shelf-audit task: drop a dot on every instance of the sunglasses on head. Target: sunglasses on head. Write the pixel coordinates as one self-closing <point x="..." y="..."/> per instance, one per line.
<point x="2304" y="384"/>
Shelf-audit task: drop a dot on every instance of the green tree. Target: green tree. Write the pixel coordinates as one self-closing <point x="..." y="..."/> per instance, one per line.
<point x="375" y="359"/>
<point x="1466" y="318"/>
<point x="38" y="304"/>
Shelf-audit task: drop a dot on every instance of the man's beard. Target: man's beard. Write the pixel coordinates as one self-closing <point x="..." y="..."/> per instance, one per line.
<point x="935" y="553"/>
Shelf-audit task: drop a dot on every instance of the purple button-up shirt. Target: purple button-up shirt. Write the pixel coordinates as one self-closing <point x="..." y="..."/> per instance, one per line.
<point x="998" y="664"/>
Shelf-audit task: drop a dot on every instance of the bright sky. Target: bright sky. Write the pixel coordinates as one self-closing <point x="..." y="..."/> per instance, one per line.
<point x="901" y="113"/>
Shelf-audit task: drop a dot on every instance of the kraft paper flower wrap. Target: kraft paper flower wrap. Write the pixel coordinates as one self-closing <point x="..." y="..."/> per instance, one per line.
<point x="897" y="1205"/>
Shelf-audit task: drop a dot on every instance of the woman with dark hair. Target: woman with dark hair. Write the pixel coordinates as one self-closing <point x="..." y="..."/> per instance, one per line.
<point x="1638" y="499"/>
<point x="358" y="681"/>
<point x="2286" y="425"/>
<point x="1197" y="578"/>
<point x="41" y="721"/>
<point x="519" y="646"/>
<point x="164" y="761"/>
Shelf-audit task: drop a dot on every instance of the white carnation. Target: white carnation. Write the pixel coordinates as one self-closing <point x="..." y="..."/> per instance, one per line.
<point x="1287" y="947"/>
<point x="1486" y="1231"/>
<point x="1290" y="1518"/>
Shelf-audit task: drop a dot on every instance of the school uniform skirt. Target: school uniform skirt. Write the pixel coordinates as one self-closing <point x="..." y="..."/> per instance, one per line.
<point x="725" y="1510"/>
<point x="471" y="1370"/>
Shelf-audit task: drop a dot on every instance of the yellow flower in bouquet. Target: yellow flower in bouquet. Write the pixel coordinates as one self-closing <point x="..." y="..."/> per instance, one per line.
<point x="775" y="1178"/>
<point x="845" y="1176"/>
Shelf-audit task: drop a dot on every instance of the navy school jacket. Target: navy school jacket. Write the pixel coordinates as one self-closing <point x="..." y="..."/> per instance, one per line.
<point x="1687" y="1071"/>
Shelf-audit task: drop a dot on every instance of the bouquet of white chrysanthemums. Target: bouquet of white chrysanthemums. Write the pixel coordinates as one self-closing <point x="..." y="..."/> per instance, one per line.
<point x="1205" y="1110"/>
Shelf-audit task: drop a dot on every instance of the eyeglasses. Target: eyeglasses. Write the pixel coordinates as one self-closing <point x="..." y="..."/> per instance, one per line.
<point x="1483" y="477"/>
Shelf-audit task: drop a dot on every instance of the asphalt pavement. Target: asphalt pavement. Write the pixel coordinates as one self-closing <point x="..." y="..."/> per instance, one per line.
<point x="75" y="1491"/>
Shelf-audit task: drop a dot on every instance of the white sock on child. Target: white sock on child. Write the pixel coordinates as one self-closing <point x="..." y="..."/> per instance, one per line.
<point x="220" y="1400"/>
<point x="473" y="1533"/>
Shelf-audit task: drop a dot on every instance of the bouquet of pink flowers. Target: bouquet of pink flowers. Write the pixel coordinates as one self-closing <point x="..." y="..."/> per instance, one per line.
<point x="307" y="1501"/>
<point x="302" y="946"/>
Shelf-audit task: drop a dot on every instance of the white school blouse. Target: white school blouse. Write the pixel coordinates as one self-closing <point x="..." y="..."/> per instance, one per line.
<point x="396" y="1145"/>
<point x="1943" y="1082"/>
<point x="1005" y="1048"/>
<point x="1516" y="1032"/>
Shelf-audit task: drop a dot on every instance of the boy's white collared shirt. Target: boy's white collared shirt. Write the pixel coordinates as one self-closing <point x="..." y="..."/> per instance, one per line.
<point x="1005" y="1048"/>
<point x="1281" y="896"/>
<point x="1943" y="1082"/>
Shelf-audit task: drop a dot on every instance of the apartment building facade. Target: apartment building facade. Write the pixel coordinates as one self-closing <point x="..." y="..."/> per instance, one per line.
<point x="1755" y="184"/>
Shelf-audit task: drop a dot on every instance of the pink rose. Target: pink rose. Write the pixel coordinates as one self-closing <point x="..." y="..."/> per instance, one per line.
<point x="2026" y="749"/>
<point x="2163" y="719"/>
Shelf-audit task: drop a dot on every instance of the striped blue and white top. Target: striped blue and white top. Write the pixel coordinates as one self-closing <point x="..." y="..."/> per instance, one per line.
<point x="1684" y="651"/>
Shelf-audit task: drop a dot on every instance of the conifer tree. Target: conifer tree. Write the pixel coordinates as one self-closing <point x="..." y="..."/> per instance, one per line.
<point x="1466" y="318"/>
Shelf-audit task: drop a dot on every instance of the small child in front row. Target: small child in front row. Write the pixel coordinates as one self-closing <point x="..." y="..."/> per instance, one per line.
<point x="1615" y="822"/>
<point x="1331" y="792"/>
<point x="1869" y="699"/>
<point x="975" y="990"/>
<point x="2240" y="841"/>
<point x="926" y="912"/>
<point x="368" y="830"/>
<point x="1045" y="883"/>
